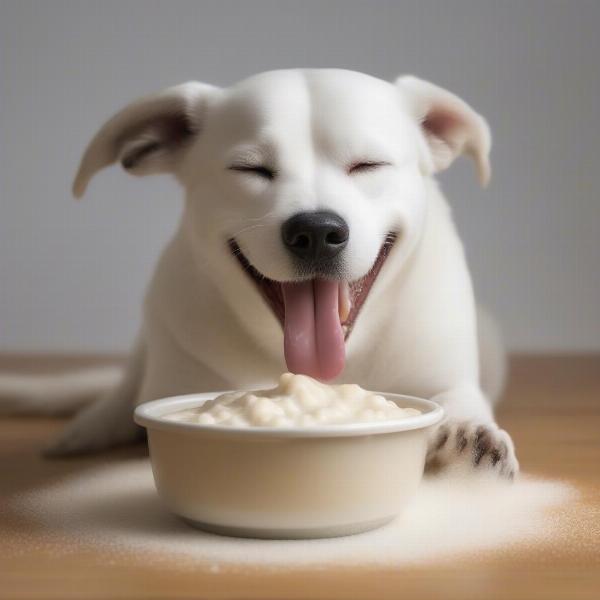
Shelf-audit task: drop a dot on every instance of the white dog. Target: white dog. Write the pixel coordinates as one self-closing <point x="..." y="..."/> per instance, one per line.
<point x="315" y="239"/>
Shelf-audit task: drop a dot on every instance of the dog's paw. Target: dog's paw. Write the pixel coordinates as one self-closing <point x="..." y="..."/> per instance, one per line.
<point x="101" y="426"/>
<point x="76" y="440"/>
<point x="481" y="446"/>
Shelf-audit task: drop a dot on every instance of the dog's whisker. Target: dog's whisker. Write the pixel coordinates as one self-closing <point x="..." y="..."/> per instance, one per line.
<point x="265" y="216"/>
<point x="233" y="218"/>
<point x="263" y="221"/>
<point x="249" y="228"/>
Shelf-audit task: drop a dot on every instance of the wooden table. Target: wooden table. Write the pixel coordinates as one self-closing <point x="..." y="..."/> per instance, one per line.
<point x="552" y="409"/>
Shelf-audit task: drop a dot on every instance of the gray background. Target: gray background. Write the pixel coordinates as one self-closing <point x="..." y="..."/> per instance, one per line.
<point x="72" y="275"/>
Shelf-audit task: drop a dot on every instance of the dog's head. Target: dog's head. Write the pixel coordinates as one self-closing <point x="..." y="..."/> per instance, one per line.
<point x="307" y="178"/>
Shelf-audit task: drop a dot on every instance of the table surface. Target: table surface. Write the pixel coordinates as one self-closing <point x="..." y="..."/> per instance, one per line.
<point x="551" y="408"/>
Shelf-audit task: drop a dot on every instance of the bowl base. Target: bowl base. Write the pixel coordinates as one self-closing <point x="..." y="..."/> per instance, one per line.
<point x="291" y="533"/>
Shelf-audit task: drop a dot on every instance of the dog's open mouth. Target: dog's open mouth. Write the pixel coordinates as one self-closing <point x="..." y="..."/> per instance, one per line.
<point x="317" y="315"/>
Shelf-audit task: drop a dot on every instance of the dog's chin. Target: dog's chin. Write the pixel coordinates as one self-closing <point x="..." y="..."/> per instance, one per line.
<point x="357" y="291"/>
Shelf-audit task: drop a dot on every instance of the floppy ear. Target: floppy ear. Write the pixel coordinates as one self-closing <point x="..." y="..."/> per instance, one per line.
<point x="451" y="127"/>
<point x="148" y="135"/>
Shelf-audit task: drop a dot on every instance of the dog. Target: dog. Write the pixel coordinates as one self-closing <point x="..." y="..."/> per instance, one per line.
<point x="314" y="238"/>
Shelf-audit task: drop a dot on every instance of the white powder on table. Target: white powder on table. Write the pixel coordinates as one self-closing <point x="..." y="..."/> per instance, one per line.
<point x="116" y="508"/>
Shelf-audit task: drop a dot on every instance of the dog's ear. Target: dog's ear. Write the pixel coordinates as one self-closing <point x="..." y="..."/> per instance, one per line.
<point x="148" y="135"/>
<point x="451" y="127"/>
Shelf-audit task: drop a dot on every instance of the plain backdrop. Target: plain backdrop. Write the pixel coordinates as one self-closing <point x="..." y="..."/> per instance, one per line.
<point x="72" y="274"/>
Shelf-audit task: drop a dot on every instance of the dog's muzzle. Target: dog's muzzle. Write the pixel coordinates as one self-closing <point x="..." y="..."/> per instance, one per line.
<point x="318" y="309"/>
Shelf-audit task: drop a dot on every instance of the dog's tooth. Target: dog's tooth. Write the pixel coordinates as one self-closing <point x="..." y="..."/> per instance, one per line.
<point x="344" y="302"/>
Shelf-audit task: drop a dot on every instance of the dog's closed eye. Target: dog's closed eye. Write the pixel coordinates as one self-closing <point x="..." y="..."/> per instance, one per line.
<point x="365" y="166"/>
<point x="260" y="170"/>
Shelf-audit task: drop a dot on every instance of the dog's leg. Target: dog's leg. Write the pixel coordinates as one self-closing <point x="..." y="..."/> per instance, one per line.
<point x="493" y="365"/>
<point x="108" y="421"/>
<point x="470" y="435"/>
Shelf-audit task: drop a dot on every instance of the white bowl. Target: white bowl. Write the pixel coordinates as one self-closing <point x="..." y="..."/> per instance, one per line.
<point x="286" y="482"/>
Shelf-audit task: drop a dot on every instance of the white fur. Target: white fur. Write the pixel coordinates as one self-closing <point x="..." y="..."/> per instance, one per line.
<point x="205" y="325"/>
<point x="53" y="395"/>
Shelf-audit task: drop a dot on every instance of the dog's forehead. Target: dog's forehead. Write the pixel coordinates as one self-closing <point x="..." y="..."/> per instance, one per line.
<point x="285" y="103"/>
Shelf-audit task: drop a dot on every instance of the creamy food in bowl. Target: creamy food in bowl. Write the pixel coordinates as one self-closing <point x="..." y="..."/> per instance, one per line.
<point x="302" y="460"/>
<point x="298" y="401"/>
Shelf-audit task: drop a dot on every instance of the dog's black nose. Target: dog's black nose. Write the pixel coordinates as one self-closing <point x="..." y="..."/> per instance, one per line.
<point x="315" y="236"/>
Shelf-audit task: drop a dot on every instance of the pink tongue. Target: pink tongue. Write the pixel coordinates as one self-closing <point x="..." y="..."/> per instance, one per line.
<point x="313" y="336"/>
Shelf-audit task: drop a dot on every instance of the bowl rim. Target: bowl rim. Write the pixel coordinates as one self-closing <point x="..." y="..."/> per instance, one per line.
<point x="149" y="415"/>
